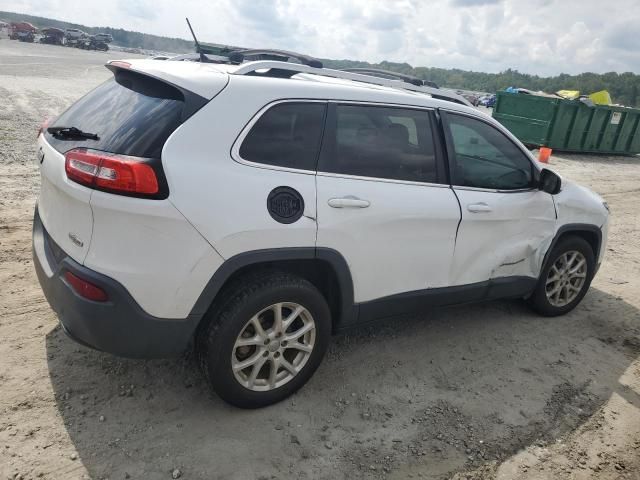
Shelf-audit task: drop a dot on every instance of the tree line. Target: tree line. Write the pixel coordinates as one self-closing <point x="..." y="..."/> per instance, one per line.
<point x="623" y="87"/>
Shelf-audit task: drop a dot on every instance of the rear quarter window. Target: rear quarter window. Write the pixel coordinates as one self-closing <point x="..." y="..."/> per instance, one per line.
<point x="287" y="135"/>
<point x="132" y="114"/>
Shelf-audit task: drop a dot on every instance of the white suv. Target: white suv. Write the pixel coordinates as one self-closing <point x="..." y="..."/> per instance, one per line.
<point x="253" y="209"/>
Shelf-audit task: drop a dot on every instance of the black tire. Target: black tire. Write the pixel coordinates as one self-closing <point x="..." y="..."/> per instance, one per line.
<point x="538" y="300"/>
<point x="229" y="316"/>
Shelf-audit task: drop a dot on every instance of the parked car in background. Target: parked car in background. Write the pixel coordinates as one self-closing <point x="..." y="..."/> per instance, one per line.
<point x="52" y="36"/>
<point x="93" y="42"/>
<point x="73" y="36"/>
<point x="13" y="34"/>
<point x="23" y="31"/>
<point x="103" y="37"/>
<point x="487" y="100"/>
<point x="473" y="99"/>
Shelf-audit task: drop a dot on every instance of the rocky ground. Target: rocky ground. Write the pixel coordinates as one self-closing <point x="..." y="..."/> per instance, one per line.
<point x="490" y="391"/>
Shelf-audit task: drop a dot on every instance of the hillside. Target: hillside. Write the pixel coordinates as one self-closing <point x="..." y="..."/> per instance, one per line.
<point x="623" y="87"/>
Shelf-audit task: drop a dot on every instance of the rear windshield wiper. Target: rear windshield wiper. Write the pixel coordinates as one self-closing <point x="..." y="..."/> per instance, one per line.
<point x="71" y="132"/>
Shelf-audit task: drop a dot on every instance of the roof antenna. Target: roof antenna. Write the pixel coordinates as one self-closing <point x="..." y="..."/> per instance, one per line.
<point x="203" y="57"/>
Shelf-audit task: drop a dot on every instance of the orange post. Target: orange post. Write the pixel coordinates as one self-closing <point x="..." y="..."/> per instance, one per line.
<point x="544" y="155"/>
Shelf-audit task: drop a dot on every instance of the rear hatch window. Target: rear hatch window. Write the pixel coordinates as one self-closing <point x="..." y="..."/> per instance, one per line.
<point x="132" y="114"/>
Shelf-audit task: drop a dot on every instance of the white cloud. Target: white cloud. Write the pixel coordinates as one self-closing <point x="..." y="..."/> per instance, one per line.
<point x="544" y="37"/>
<point x="473" y="3"/>
<point x="140" y="9"/>
<point x="384" y="20"/>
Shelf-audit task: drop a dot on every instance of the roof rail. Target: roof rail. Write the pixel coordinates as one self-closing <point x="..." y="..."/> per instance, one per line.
<point x="238" y="56"/>
<point x="284" y="69"/>
<point x="378" y="72"/>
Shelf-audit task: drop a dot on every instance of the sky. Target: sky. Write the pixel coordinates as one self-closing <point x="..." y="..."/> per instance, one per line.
<point x="543" y="37"/>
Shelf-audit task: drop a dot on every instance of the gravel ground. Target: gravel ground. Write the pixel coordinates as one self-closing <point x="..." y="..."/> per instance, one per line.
<point x="490" y="391"/>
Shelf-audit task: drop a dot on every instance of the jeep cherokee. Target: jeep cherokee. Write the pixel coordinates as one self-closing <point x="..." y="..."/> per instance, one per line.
<point x="253" y="209"/>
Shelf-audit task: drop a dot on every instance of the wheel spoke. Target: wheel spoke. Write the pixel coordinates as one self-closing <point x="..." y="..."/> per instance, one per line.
<point x="277" y="317"/>
<point x="241" y="365"/>
<point x="299" y="333"/>
<point x="577" y="267"/>
<point x="255" y="371"/>
<point x="555" y="278"/>
<point x="553" y="291"/>
<point x="249" y="342"/>
<point x="300" y="346"/>
<point x="255" y="321"/>
<point x="288" y="366"/>
<point x="573" y="287"/>
<point x="563" y="262"/>
<point x="292" y="316"/>
<point x="558" y="293"/>
<point x="273" y="371"/>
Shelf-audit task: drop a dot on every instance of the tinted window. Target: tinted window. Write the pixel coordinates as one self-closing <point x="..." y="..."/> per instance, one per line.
<point x="382" y="142"/>
<point x="485" y="158"/>
<point x="287" y="135"/>
<point x="132" y="114"/>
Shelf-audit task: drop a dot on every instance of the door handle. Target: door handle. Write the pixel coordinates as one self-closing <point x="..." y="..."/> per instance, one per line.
<point x="479" y="207"/>
<point x="348" y="202"/>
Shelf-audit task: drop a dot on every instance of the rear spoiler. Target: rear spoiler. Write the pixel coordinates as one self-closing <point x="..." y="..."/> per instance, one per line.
<point x="192" y="101"/>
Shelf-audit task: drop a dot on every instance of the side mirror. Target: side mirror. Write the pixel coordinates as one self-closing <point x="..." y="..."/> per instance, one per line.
<point x="550" y="182"/>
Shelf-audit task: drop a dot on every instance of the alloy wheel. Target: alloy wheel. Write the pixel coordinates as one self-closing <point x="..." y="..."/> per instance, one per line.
<point x="566" y="278"/>
<point x="273" y="346"/>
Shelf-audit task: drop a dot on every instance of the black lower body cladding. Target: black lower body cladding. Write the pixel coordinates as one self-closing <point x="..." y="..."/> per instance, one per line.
<point x="118" y="325"/>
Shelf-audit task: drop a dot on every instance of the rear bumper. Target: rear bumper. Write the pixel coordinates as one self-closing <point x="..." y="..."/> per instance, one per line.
<point x="117" y="326"/>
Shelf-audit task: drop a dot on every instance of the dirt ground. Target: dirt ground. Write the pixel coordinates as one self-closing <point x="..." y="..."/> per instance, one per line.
<point x="490" y="391"/>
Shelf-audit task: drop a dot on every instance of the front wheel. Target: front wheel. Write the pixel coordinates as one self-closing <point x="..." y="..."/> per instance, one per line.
<point x="565" y="278"/>
<point x="265" y="339"/>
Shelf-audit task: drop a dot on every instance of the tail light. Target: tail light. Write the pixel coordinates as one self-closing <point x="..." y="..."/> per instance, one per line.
<point x="85" y="289"/>
<point x="110" y="172"/>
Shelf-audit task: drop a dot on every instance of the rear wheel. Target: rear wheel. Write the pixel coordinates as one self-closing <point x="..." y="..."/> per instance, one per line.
<point x="265" y="339"/>
<point x="565" y="278"/>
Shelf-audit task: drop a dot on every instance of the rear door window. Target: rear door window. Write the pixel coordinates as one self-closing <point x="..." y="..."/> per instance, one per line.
<point x="287" y="135"/>
<point x="380" y="142"/>
<point x="132" y="114"/>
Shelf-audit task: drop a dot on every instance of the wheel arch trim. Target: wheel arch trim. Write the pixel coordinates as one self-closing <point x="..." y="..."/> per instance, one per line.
<point x="348" y="309"/>
<point x="575" y="228"/>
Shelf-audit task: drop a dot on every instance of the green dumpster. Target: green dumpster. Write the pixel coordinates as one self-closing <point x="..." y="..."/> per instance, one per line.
<point x="569" y="125"/>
